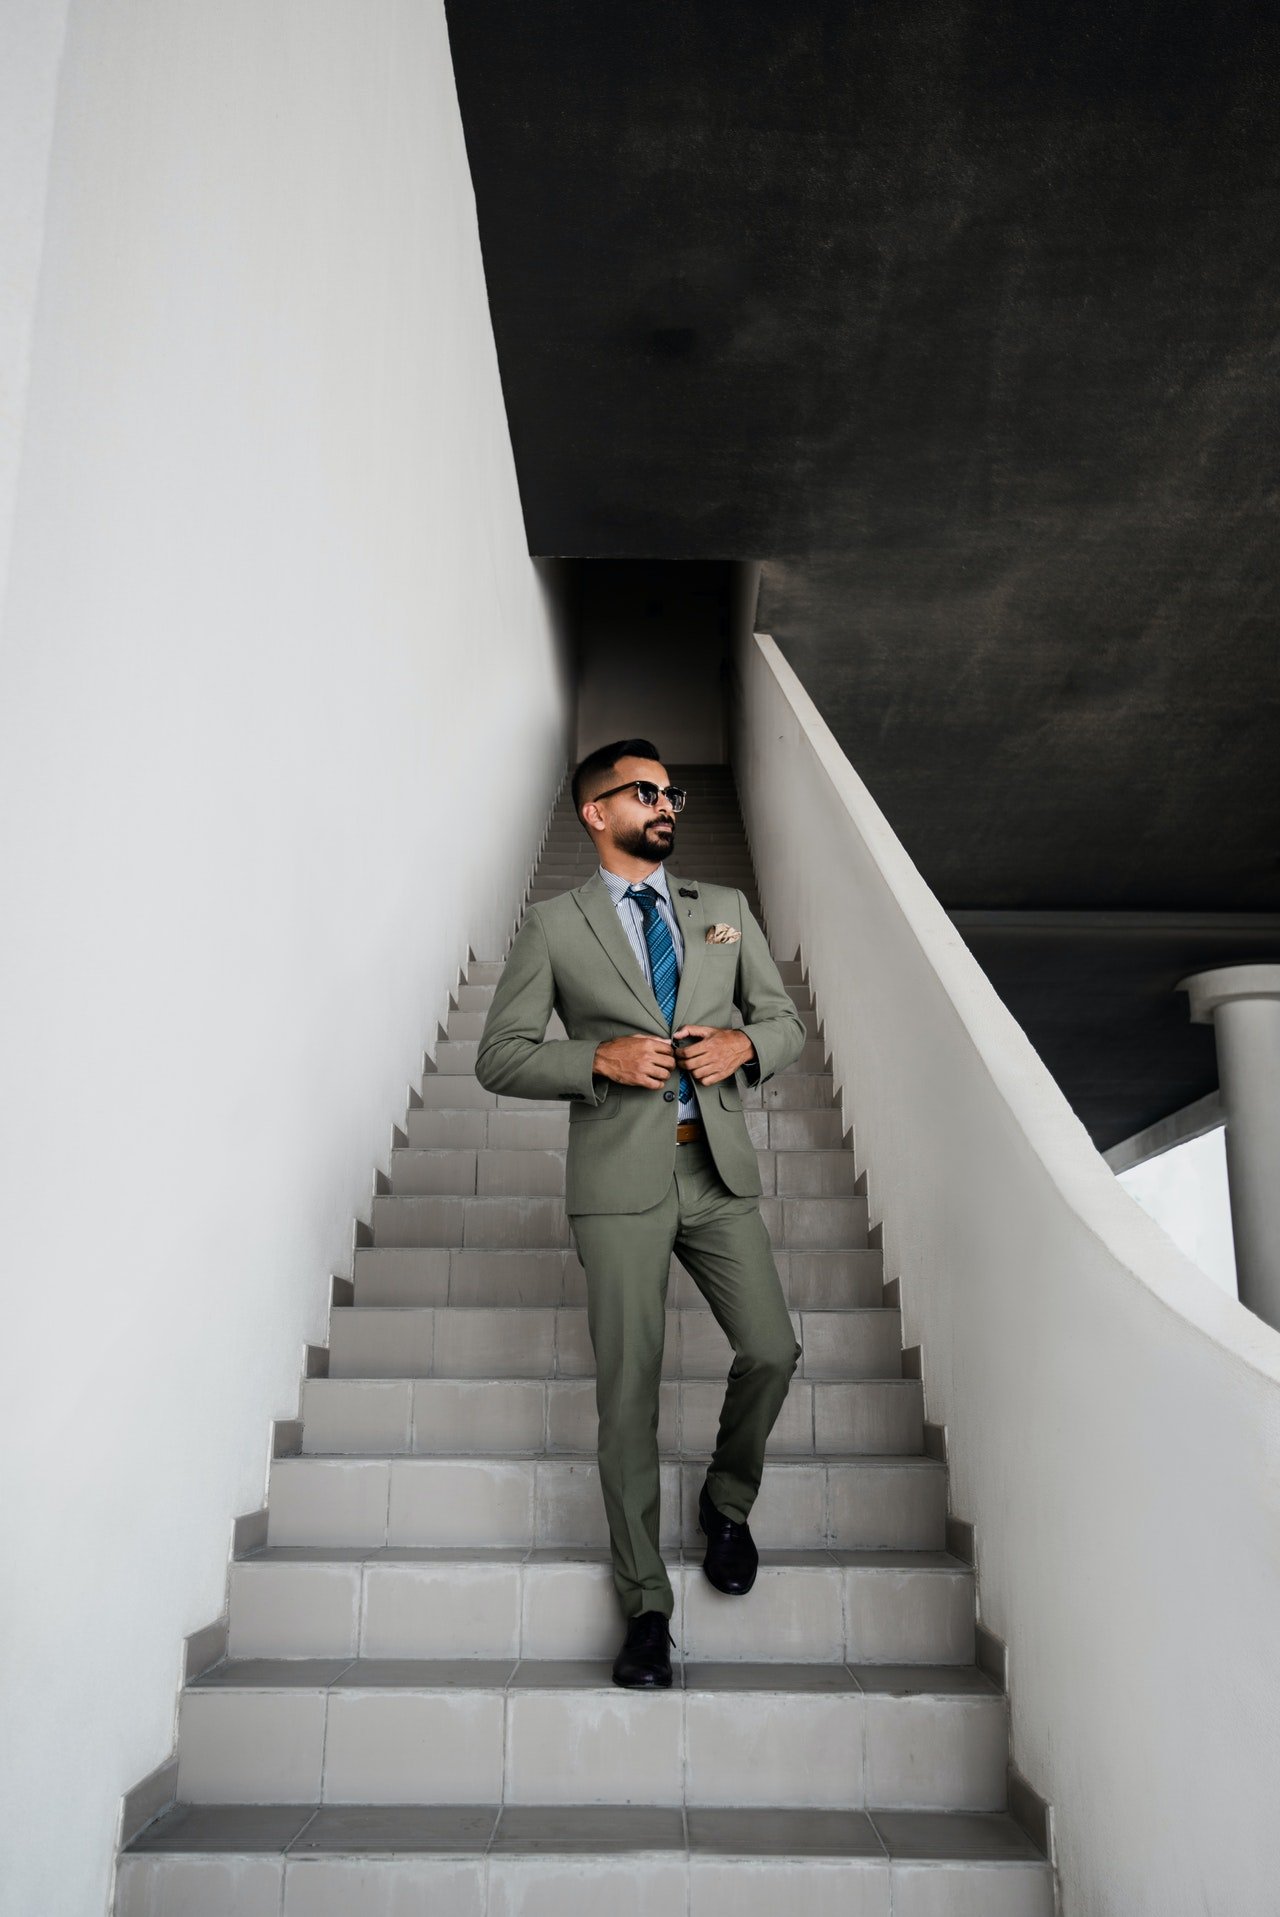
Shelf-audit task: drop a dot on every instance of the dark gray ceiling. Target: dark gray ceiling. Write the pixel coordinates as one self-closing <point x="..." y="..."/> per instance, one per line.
<point x="963" y="318"/>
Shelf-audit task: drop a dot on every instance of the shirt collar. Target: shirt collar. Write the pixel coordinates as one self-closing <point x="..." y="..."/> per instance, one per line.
<point x="617" y="886"/>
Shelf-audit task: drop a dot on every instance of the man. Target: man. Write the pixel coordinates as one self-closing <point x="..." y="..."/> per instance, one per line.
<point x="644" y="973"/>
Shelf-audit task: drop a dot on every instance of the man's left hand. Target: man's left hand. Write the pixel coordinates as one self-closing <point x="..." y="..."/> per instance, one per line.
<point x="716" y="1053"/>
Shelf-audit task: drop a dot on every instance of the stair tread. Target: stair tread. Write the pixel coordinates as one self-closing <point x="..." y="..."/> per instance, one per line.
<point x="824" y="1559"/>
<point x="545" y="1830"/>
<point x="808" y="1311"/>
<point x="803" y="1461"/>
<point x="589" y="1674"/>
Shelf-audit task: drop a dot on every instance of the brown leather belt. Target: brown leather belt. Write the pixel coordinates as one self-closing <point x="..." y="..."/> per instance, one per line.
<point x="691" y="1129"/>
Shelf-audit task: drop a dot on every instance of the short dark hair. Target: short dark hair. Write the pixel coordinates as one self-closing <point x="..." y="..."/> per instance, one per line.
<point x="604" y="759"/>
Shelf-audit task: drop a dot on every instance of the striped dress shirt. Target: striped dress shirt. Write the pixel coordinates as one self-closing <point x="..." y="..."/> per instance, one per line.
<point x="632" y="921"/>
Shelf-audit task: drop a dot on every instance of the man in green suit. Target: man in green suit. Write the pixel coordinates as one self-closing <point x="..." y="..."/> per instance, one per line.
<point x="644" y="972"/>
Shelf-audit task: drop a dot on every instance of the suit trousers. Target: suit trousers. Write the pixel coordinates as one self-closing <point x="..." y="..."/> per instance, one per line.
<point x="722" y="1243"/>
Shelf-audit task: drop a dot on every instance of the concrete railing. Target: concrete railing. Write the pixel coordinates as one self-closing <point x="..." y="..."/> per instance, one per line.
<point x="1113" y="1420"/>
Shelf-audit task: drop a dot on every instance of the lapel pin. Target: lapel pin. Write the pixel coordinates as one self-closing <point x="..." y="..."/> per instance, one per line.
<point x="687" y="892"/>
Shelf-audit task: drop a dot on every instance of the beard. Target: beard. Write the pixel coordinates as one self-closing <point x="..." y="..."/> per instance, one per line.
<point x="652" y="840"/>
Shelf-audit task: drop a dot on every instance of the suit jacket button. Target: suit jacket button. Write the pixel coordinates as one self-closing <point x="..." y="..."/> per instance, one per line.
<point x="668" y="1096"/>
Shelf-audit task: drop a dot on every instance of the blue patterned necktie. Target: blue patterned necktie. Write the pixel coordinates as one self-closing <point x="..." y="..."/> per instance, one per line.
<point x="662" y="963"/>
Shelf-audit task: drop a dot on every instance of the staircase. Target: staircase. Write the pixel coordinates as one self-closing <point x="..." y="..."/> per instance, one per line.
<point x="415" y="1711"/>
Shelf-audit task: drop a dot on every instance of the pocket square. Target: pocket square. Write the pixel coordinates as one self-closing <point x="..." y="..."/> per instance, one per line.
<point x="723" y="935"/>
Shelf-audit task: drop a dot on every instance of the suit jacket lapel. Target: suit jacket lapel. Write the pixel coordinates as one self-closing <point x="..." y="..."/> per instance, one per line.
<point x="693" y="922"/>
<point x="601" y="915"/>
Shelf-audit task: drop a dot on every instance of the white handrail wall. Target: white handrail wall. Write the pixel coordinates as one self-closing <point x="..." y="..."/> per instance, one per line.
<point x="1113" y="1419"/>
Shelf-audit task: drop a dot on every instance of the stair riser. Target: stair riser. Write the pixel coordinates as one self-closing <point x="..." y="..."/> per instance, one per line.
<point x="526" y="1173"/>
<point x="508" y="1342"/>
<point x="789" y="1091"/>
<point x="406" y="1746"/>
<point x="468" y="1608"/>
<point x="436" y="1417"/>
<point x="642" y="1884"/>
<point x="483" y="1130"/>
<point x="435" y="1275"/>
<point x="487" y="971"/>
<point x="478" y="998"/>
<point x="861" y="1504"/>
<point x="798" y="1224"/>
<point x="467" y="1022"/>
<point x="456" y="1058"/>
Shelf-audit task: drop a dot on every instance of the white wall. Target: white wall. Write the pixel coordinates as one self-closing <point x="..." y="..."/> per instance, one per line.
<point x="1185" y="1190"/>
<point x="31" y="40"/>
<point x="1113" y="1419"/>
<point x="282" y="710"/>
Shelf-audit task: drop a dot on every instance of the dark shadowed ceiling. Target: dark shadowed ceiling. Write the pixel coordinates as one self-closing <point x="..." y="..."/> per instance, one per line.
<point x="963" y="318"/>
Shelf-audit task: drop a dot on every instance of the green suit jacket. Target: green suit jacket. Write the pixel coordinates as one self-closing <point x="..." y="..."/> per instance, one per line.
<point x="572" y="956"/>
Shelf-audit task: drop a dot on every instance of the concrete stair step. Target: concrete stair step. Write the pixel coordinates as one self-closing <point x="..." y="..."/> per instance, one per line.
<point x="552" y="1341"/>
<point x="504" y="1417"/>
<point x="478" y="998"/>
<point x="464" y="1171"/>
<point x="801" y="1224"/>
<point x="438" y="1275"/>
<point x="580" y="1860"/>
<point x="718" y="864"/>
<point x="896" y="1607"/>
<point x="463" y="1094"/>
<point x="443" y="1128"/>
<point x="792" y="1091"/>
<point x="410" y="1731"/>
<point x="851" y="1504"/>
<point x="551" y="885"/>
<point x="456" y="1057"/>
<point x="710" y="834"/>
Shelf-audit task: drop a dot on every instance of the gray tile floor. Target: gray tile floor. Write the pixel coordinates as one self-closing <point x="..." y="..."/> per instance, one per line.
<point x="477" y="1829"/>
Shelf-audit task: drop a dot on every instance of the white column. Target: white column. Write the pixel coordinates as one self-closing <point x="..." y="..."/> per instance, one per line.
<point x="1242" y="1003"/>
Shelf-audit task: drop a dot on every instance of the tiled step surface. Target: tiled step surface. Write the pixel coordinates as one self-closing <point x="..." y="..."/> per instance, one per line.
<point x="476" y="1129"/>
<point x="528" y="1861"/>
<point x="396" y="1728"/>
<point x="790" y="1090"/>
<point x="551" y="1275"/>
<point x="800" y="1224"/>
<point x="535" y="1416"/>
<point x="459" y="1171"/>
<point x="456" y="1057"/>
<point x="466" y="1018"/>
<point x="402" y="1731"/>
<point x="856" y="1504"/>
<point x="827" y="1607"/>
<point x="553" y="1341"/>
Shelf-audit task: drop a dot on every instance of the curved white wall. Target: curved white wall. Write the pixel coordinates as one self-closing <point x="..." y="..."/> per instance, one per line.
<point x="282" y="710"/>
<point x="1113" y="1419"/>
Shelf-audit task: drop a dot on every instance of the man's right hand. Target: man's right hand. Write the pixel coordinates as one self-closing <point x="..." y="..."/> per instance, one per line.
<point x="636" y="1060"/>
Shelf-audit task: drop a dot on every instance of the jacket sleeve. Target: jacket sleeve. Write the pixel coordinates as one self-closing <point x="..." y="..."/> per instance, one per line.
<point x="770" y="1020"/>
<point x="514" y="1055"/>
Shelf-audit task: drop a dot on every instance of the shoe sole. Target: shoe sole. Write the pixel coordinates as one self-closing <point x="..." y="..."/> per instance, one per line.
<point x="646" y="1684"/>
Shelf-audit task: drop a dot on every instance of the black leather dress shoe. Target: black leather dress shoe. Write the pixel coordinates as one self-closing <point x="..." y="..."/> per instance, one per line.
<point x="732" y="1559"/>
<point x="644" y="1662"/>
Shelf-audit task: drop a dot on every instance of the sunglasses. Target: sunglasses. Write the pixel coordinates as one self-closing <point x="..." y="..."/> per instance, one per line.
<point x="647" y="793"/>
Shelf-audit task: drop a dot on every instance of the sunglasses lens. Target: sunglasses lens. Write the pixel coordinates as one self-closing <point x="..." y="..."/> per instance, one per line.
<point x="646" y="793"/>
<point x="676" y="795"/>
